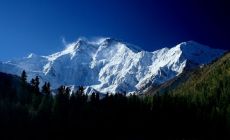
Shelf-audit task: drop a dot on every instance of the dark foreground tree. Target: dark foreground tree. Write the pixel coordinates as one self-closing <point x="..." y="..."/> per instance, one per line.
<point x="24" y="77"/>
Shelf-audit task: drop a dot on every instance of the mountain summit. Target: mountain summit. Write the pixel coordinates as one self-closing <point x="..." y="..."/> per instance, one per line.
<point x="110" y="65"/>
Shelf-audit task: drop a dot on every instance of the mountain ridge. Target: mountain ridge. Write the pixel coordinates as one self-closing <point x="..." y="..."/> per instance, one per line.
<point x="109" y="65"/>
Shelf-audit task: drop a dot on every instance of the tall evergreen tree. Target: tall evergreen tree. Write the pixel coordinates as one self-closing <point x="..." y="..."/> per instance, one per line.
<point x="97" y="97"/>
<point x="81" y="90"/>
<point x="46" y="88"/>
<point x="37" y="82"/>
<point x="24" y="77"/>
<point x="32" y="82"/>
<point x="93" y="97"/>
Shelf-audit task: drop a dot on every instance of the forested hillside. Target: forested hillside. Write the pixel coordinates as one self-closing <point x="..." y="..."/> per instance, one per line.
<point x="197" y="109"/>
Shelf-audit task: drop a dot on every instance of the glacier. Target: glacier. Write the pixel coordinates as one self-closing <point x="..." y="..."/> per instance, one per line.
<point x="110" y="65"/>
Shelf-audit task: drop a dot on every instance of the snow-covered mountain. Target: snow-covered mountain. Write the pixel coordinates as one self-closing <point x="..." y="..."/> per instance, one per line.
<point x="109" y="65"/>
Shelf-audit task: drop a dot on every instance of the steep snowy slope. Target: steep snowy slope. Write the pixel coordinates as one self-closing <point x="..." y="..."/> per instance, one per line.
<point x="109" y="65"/>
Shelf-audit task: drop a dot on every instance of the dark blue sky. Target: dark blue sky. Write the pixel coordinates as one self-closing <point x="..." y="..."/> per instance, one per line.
<point x="39" y="25"/>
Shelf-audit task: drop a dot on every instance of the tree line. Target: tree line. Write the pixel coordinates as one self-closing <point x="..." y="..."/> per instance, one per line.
<point x="165" y="115"/>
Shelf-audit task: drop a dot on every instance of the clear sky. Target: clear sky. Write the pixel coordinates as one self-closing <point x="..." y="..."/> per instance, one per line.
<point x="39" y="26"/>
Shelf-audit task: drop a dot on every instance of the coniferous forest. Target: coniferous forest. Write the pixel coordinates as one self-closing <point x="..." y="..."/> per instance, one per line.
<point x="197" y="109"/>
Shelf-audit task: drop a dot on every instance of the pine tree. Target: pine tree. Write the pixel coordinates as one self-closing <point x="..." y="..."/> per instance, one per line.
<point x="81" y="90"/>
<point x="24" y="77"/>
<point x="97" y="97"/>
<point x="32" y="82"/>
<point x="61" y="103"/>
<point x="67" y="92"/>
<point x="46" y="88"/>
<point x="37" y="84"/>
<point x="93" y="97"/>
<point x="45" y="107"/>
<point x="36" y="96"/>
